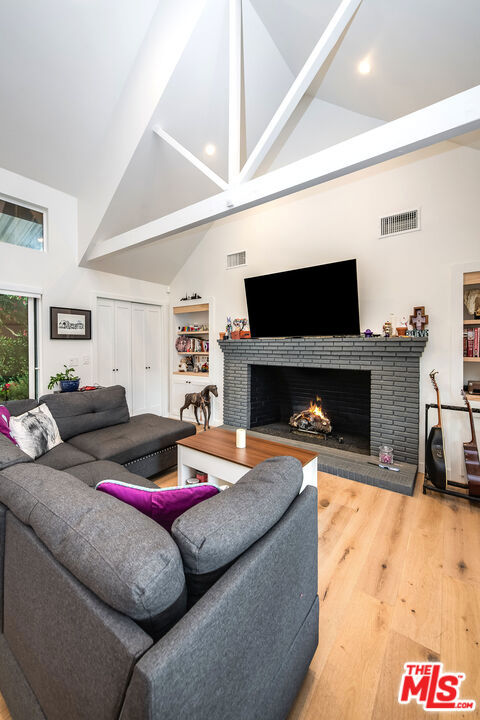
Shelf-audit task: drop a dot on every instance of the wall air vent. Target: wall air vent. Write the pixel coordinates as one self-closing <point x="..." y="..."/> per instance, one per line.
<point x="400" y="223"/>
<point x="237" y="259"/>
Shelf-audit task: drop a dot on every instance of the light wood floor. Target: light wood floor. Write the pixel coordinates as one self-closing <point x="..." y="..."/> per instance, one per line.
<point x="399" y="581"/>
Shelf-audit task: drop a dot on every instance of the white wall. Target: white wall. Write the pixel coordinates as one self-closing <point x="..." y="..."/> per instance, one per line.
<point x="56" y="276"/>
<point x="339" y="220"/>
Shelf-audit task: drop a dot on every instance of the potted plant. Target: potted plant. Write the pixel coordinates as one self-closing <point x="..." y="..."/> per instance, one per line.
<point x="67" y="380"/>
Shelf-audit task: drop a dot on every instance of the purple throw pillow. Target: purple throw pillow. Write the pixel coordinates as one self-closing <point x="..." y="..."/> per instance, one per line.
<point x="163" y="505"/>
<point x="5" y="424"/>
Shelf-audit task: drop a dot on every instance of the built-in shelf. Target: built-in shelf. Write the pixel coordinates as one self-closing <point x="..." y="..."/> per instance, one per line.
<point x="472" y="397"/>
<point x="471" y="322"/>
<point x="192" y="374"/>
<point x="198" y="332"/>
<point x="471" y="359"/>
<point x="187" y="309"/>
<point x="193" y="353"/>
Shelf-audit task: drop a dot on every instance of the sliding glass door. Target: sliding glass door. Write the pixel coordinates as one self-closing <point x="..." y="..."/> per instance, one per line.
<point x="18" y="347"/>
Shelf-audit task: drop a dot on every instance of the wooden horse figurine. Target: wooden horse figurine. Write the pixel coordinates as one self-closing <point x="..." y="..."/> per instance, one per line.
<point x="206" y="396"/>
<point x="200" y="401"/>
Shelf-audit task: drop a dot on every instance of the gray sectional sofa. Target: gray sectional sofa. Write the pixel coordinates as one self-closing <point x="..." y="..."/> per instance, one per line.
<point x="105" y="615"/>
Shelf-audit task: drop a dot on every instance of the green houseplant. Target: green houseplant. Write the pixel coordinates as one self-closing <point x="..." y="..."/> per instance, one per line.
<point x="67" y="380"/>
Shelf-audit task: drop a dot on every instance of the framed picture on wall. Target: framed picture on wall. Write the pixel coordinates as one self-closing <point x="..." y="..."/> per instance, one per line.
<point x="70" y="324"/>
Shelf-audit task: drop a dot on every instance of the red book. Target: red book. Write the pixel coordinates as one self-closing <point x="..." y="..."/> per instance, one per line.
<point x="475" y="343"/>
<point x="465" y="344"/>
<point x="471" y="336"/>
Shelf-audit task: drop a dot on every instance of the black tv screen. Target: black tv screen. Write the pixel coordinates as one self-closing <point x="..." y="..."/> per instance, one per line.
<point x="319" y="300"/>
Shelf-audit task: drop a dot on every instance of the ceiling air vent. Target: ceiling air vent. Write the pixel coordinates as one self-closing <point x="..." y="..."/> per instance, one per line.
<point x="237" y="259"/>
<point x="400" y="223"/>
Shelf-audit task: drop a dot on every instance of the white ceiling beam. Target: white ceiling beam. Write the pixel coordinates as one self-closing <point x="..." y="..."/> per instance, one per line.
<point x="300" y="85"/>
<point x="440" y="121"/>
<point x="235" y="58"/>
<point x="169" y="32"/>
<point x="190" y="157"/>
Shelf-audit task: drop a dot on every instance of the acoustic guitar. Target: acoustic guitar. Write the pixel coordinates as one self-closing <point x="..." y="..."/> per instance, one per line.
<point x="472" y="460"/>
<point x="435" y="466"/>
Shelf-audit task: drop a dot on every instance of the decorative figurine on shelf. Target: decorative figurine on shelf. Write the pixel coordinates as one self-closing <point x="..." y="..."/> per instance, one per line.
<point x="228" y="329"/>
<point x="195" y="296"/>
<point x="200" y="401"/>
<point x="418" y="320"/>
<point x="471" y="299"/>
<point x="239" y="324"/>
<point x="368" y="333"/>
<point x="402" y="328"/>
<point x="182" y="366"/>
<point x="387" y="329"/>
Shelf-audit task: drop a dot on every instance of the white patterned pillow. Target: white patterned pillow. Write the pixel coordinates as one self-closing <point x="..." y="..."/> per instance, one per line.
<point x="36" y="431"/>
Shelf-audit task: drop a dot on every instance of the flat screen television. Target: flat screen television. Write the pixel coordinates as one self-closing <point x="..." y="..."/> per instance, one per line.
<point x="319" y="300"/>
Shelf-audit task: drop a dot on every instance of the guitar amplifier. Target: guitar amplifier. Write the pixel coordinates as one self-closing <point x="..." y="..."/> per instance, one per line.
<point x="474" y="387"/>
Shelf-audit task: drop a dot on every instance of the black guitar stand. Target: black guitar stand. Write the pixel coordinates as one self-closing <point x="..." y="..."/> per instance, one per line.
<point x="428" y="485"/>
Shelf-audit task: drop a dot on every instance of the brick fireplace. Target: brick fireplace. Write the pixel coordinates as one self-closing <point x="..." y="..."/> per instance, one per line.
<point x="370" y="385"/>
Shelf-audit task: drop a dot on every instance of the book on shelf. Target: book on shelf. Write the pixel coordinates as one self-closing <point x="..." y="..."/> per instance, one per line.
<point x="471" y="343"/>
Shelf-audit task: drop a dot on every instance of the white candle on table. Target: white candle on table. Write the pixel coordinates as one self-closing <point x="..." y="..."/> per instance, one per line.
<point x="241" y="439"/>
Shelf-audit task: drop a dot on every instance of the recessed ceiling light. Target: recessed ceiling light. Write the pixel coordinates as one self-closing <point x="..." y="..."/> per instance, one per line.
<point x="364" y="67"/>
<point x="210" y="149"/>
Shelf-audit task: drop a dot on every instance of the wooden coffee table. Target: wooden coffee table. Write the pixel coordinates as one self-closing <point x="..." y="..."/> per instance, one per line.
<point x="214" y="452"/>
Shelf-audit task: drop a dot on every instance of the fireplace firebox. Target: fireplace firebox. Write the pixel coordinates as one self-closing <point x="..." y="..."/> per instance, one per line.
<point x="327" y="407"/>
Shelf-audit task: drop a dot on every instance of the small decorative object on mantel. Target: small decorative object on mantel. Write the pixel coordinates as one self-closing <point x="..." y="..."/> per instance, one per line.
<point x="239" y="324"/>
<point x="69" y="324"/>
<point x="221" y="335"/>
<point x="368" y="333"/>
<point x="418" y="321"/>
<point x="387" y="329"/>
<point x="228" y="329"/>
<point x="402" y="328"/>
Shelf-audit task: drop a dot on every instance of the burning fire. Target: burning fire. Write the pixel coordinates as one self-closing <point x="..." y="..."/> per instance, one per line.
<point x="316" y="409"/>
<point x="313" y="420"/>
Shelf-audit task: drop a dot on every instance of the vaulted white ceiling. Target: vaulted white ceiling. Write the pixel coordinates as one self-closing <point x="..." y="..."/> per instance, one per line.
<point x="67" y="66"/>
<point x="63" y="67"/>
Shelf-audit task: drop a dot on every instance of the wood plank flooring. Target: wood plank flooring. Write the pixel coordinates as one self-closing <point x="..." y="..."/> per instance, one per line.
<point x="399" y="580"/>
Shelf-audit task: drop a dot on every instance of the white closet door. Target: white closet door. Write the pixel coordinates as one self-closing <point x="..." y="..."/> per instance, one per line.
<point x="139" y="361"/>
<point x="105" y="342"/>
<point x="123" y="347"/>
<point x="153" y="343"/>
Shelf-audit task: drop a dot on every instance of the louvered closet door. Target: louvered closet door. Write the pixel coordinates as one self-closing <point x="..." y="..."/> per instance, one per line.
<point x="123" y="348"/>
<point x="153" y="342"/>
<point x="139" y="362"/>
<point x="105" y="342"/>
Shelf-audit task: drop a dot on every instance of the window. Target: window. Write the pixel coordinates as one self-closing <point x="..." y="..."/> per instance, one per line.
<point x="18" y="347"/>
<point x="20" y="225"/>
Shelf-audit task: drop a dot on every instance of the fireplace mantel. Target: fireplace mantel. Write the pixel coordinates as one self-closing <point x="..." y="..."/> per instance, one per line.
<point x="394" y="364"/>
